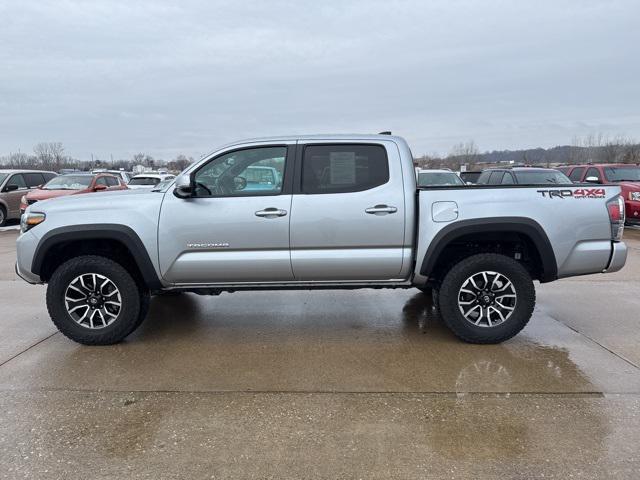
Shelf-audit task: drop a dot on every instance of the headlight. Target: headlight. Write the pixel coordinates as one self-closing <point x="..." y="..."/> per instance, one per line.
<point x="30" y="220"/>
<point x="634" y="196"/>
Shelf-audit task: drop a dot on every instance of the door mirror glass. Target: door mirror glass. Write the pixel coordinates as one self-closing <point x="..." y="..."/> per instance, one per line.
<point x="592" y="180"/>
<point x="99" y="187"/>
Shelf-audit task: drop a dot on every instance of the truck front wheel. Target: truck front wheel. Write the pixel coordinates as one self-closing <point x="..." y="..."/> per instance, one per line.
<point x="95" y="301"/>
<point x="487" y="298"/>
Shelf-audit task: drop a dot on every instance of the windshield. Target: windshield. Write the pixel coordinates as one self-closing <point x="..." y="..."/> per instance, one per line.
<point x="149" y="181"/>
<point x="622" y="174"/>
<point x="69" y="182"/>
<point x="3" y="176"/>
<point x="537" y="177"/>
<point x="427" y="179"/>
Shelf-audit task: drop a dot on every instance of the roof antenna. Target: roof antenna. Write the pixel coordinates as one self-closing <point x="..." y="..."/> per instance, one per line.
<point x="386" y="132"/>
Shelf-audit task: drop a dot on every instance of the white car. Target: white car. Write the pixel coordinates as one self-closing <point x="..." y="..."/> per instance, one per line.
<point x="148" y="180"/>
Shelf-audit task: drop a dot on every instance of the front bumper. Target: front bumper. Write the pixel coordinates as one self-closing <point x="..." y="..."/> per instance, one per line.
<point x="29" y="278"/>
<point x="618" y="257"/>
<point x="26" y="246"/>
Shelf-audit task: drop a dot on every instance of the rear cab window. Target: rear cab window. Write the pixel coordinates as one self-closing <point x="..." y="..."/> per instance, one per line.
<point x="343" y="168"/>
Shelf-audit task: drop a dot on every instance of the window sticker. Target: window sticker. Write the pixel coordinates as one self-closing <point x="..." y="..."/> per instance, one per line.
<point x="343" y="168"/>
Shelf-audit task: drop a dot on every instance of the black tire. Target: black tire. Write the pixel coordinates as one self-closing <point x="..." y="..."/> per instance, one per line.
<point x="516" y="320"/>
<point x="145" y="304"/>
<point x="3" y="216"/>
<point x="132" y="310"/>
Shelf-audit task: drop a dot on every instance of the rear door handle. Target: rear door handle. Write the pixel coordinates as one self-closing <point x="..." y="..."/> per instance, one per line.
<point x="271" y="213"/>
<point x="381" y="210"/>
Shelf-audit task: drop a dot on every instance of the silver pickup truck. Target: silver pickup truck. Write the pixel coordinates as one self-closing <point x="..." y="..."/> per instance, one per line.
<point x="309" y="212"/>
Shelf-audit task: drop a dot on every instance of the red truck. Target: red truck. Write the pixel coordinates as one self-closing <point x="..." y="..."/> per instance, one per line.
<point x="623" y="174"/>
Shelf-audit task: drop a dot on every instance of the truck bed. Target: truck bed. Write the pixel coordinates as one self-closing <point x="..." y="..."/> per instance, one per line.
<point x="573" y="218"/>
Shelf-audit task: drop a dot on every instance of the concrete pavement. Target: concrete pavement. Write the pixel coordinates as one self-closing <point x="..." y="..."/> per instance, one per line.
<point x="328" y="384"/>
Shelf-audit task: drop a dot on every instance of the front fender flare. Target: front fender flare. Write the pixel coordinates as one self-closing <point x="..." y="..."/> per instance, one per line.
<point x="99" y="231"/>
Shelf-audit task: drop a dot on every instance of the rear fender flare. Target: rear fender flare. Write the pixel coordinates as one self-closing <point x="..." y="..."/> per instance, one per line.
<point x="521" y="225"/>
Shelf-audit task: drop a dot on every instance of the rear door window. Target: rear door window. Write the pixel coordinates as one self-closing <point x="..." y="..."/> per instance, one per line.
<point x="343" y="168"/>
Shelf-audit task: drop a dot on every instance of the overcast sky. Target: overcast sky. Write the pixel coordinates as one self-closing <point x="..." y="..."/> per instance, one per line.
<point x="160" y="77"/>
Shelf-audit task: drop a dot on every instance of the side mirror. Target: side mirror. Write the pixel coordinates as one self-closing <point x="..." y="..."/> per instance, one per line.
<point x="99" y="188"/>
<point x="592" y="180"/>
<point x="12" y="187"/>
<point x="184" y="187"/>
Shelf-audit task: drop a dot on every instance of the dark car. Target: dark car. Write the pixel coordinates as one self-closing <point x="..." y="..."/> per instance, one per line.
<point x="14" y="184"/>
<point x="470" y="177"/>
<point x="522" y="176"/>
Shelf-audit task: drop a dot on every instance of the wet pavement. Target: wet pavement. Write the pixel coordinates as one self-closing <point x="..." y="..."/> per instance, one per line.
<point x="326" y="384"/>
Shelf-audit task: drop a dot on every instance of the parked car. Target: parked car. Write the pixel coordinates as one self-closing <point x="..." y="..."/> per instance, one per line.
<point x="522" y="176"/>
<point x="432" y="178"/>
<point x="148" y="180"/>
<point x="347" y="214"/>
<point x="72" y="184"/>
<point x="470" y="177"/>
<point x="125" y="176"/>
<point x="627" y="176"/>
<point x="13" y="185"/>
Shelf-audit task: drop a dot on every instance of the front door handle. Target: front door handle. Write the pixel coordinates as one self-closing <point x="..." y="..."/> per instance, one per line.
<point x="381" y="210"/>
<point x="271" y="213"/>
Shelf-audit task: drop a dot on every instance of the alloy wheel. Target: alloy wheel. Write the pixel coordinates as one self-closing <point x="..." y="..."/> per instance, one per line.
<point x="93" y="301"/>
<point x="487" y="299"/>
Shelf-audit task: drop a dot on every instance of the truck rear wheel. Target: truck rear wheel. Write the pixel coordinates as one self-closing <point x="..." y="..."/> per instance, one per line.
<point x="95" y="301"/>
<point x="487" y="298"/>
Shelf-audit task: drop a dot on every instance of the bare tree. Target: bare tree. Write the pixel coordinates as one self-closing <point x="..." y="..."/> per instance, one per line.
<point x="611" y="150"/>
<point x="630" y="151"/>
<point x="49" y="155"/>
<point x="465" y="153"/>
<point x="144" y="159"/>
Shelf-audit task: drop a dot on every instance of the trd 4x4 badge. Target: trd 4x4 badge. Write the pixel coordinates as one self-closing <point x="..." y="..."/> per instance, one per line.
<point x="577" y="193"/>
